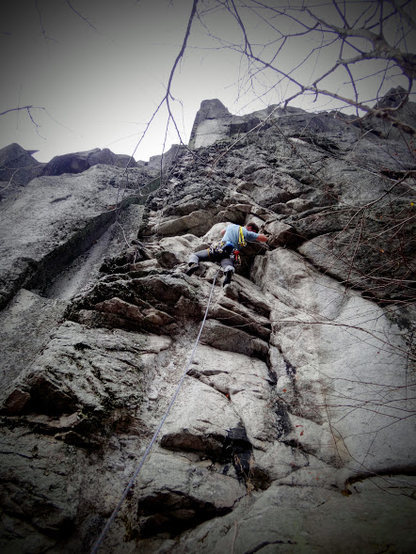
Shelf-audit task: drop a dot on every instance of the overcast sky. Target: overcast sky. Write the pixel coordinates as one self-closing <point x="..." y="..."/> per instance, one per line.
<point x="99" y="75"/>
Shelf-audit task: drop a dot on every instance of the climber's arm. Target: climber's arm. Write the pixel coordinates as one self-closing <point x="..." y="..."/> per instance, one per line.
<point x="261" y="238"/>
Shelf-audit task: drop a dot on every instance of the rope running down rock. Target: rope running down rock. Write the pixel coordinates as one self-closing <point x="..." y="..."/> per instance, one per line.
<point x="110" y="520"/>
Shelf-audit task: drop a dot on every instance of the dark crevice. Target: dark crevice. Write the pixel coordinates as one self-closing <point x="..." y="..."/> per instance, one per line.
<point x="306" y="451"/>
<point x="283" y="424"/>
<point x="267" y="543"/>
<point x="249" y="327"/>
<point x="198" y="376"/>
<point x="173" y="512"/>
<point x="238" y="450"/>
<point x="388" y="472"/>
<point x="55" y="262"/>
<point x="272" y="380"/>
<point x="319" y="141"/>
<point x="290" y="369"/>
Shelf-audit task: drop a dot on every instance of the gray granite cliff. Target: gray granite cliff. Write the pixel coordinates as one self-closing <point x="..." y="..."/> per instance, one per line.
<point x="294" y="430"/>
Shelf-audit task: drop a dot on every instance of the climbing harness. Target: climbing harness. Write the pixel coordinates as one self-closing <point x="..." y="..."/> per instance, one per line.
<point x="241" y="243"/>
<point x="241" y="239"/>
<point x="221" y="249"/>
<point x="110" y="520"/>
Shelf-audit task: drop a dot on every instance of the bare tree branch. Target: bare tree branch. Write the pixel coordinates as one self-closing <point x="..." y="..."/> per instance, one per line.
<point x="80" y="15"/>
<point x="27" y="108"/>
<point x="365" y="34"/>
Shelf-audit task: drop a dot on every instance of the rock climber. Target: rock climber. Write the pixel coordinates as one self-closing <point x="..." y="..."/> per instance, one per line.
<point x="226" y="251"/>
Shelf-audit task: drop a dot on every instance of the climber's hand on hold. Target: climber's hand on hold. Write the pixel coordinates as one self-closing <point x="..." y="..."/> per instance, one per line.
<point x="262" y="238"/>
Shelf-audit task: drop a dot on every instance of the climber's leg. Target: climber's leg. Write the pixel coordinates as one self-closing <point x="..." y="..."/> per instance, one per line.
<point x="194" y="259"/>
<point x="228" y="268"/>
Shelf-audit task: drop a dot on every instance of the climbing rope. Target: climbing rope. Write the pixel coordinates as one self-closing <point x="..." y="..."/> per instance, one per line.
<point x="110" y="520"/>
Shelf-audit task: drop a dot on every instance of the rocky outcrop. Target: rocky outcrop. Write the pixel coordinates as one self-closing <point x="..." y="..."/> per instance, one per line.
<point x="78" y="162"/>
<point x="169" y="158"/>
<point x="294" y="427"/>
<point x="395" y="103"/>
<point x="51" y="222"/>
<point x="17" y="168"/>
<point x="214" y="122"/>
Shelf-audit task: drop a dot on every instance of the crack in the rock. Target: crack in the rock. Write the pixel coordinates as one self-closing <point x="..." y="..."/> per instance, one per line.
<point x="386" y="472"/>
<point x="267" y="543"/>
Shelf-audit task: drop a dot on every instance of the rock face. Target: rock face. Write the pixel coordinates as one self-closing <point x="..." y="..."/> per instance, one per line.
<point x="17" y="167"/>
<point x="214" y="122"/>
<point x="80" y="161"/>
<point x="168" y="159"/>
<point x="294" y="428"/>
<point x="51" y="221"/>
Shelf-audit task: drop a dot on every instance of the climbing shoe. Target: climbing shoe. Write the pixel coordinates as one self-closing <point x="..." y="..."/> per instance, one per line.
<point x="227" y="278"/>
<point x="192" y="268"/>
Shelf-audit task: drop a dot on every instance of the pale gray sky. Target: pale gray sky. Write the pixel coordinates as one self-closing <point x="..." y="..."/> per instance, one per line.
<point x="99" y="75"/>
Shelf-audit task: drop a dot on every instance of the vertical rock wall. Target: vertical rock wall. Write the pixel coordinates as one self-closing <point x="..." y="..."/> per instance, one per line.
<point x="294" y="429"/>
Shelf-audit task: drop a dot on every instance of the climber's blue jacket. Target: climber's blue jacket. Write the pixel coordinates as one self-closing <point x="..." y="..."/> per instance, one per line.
<point x="232" y="235"/>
